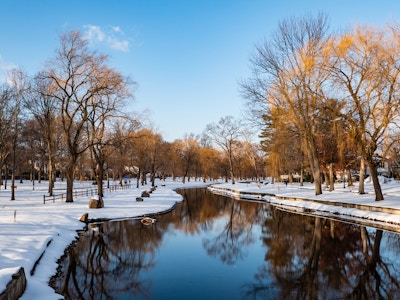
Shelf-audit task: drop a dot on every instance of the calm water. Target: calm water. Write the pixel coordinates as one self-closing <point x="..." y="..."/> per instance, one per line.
<point x="213" y="247"/>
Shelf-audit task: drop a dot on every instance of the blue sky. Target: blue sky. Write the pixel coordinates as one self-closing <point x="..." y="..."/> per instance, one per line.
<point x="186" y="56"/>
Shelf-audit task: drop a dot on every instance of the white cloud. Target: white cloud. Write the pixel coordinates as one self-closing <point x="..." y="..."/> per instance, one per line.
<point x="109" y="36"/>
<point x="118" y="45"/>
<point x="94" y="33"/>
<point x="117" y="29"/>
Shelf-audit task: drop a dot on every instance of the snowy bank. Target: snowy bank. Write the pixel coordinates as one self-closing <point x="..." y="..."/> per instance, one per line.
<point x="343" y="203"/>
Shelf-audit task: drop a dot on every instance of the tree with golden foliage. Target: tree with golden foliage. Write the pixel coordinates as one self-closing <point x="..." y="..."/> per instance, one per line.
<point x="209" y="159"/>
<point x="364" y="65"/>
<point x="188" y="154"/>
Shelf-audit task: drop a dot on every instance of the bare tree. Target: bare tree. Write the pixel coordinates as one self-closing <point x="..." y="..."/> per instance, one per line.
<point x="106" y="107"/>
<point x="224" y="135"/>
<point x="31" y="152"/>
<point x="5" y="129"/>
<point x="253" y="153"/>
<point x="45" y="110"/>
<point x="81" y="79"/>
<point x="19" y="85"/>
<point x="286" y="75"/>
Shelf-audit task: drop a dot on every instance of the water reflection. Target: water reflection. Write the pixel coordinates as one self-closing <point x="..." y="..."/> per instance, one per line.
<point x="213" y="247"/>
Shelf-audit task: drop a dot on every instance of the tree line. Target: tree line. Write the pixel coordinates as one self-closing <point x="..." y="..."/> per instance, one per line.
<point x="70" y="121"/>
<point x="327" y="101"/>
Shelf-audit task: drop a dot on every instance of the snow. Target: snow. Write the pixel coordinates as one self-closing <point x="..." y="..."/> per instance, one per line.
<point x="30" y="228"/>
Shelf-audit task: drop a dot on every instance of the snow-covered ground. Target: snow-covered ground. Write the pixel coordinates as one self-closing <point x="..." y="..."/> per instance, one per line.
<point x="30" y="228"/>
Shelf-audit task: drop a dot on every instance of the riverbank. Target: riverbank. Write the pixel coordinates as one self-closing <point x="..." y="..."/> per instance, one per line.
<point x="343" y="203"/>
<point x="34" y="235"/>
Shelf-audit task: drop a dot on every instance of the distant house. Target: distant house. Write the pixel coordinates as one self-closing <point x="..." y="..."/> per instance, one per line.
<point x="383" y="166"/>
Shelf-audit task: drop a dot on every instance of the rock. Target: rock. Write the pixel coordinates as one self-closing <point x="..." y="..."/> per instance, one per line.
<point x="96" y="202"/>
<point x="84" y="218"/>
<point x="145" y="194"/>
<point x="93" y="203"/>
<point x="147" y="220"/>
<point x="16" y="287"/>
<point x="139" y="199"/>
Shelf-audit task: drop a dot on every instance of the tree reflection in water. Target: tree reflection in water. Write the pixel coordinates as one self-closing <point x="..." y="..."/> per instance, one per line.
<point x="315" y="258"/>
<point x="108" y="262"/>
<point x="305" y="257"/>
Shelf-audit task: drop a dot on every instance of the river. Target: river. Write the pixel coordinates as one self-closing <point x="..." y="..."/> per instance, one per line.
<point x="215" y="247"/>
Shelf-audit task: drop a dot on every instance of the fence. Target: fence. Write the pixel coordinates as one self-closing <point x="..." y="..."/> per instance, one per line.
<point x="85" y="192"/>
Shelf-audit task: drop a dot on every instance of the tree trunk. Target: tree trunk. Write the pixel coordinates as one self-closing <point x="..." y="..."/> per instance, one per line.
<point x="232" y="174"/>
<point x="365" y="242"/>
<point x="375" y="181"/>
<point x="142" y="178"/>
<point x="13" y="176"/>
<point x="69" y="174"/>
<point x="153" y="176"/>
<point x="314" y="163"/>
<point x="231" y="168"/>
<point x="138" y="178"/>
<point x="40" y="175"/>
<point x="349" y="179"/>
<point x="99" y="180"/>
<point x="332" y="229"/>
<point x="13" y="185"/>
<point x="326" y="178"/>
<point x="375" y="255"/>
<point x="301" y="175"/>
<point x="51" y="176"/>
<point x="361" y="189"/>
<point x="331" y="179"/>
<point x="6" y="177"/>
<point x="50" y="165"/>
<point x="313" y="259"/>
<point x="1" y="172"/>
<point x="120" y="179"/>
